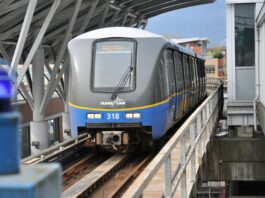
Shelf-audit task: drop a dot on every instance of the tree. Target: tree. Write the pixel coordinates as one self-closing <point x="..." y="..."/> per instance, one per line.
<point x="217" y="52"/>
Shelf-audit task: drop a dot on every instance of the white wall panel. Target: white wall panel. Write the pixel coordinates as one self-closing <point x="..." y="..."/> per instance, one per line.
<point x="262" y="63"/>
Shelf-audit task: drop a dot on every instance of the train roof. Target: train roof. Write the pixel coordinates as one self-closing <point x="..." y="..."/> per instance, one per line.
<point x="128" y="32"/>
<point x="125" y="32"/>
<point x="182" y="49"/>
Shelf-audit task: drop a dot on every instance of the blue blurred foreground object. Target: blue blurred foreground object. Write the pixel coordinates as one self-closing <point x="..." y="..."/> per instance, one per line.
<point x="39" y="181"/>
<point x="9" y="129"/>
<point x="5" y="91"/>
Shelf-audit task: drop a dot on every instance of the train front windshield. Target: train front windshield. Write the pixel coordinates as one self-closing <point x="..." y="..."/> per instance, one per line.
<point x="113" y="60"/>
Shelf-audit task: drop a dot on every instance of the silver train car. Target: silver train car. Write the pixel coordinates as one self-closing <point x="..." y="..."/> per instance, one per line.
<point x="128" y="87"/>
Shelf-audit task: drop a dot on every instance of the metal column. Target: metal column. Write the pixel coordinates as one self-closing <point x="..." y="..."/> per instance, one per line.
<point x="39" y="126"/>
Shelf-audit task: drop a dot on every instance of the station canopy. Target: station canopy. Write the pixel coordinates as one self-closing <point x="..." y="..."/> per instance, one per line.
<point x="26" y="25"/>
<point x="92" y="14"/>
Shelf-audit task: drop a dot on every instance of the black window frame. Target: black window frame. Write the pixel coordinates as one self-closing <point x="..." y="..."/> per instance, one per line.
<point x="92" y="75"/>
<point x="185" y="60"/>
<point x="246" y="52"/>
<point x="168" y="73"/>
<point x="179" y="73"/>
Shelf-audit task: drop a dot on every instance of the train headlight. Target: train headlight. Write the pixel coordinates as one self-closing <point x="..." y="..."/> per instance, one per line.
<point x="136" y="115"/>
<point x="133" y="115"/>
<point x="94" y="116"/>
<point x="98" y="116"/>
<point x="129" y="115"/>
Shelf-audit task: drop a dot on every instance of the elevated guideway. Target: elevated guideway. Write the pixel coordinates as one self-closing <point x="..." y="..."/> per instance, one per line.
<point x="176" y="165"/>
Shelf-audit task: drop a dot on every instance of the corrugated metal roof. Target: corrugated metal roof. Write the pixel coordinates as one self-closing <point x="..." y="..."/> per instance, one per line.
<point x="25" y="25"/>
<point x="106" y="13"/>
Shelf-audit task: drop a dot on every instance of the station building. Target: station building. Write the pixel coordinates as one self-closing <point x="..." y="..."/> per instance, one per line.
<point x="215" y="67"/>
<point x="246" y="63"/>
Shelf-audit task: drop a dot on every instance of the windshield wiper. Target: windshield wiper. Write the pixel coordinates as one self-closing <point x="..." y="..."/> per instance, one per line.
<point x="122" y="83"/>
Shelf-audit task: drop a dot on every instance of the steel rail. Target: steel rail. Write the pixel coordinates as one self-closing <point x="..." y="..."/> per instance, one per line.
<point x="83" y="186"/>
<point x="130" y="177"/>
<point x="56" y="151"/>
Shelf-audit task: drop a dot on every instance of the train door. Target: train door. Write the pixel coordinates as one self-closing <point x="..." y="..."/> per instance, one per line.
<point x="195" y="75"/>
<point x="204" y="77"/>
<point x="186" y="102"/>
<point x="199" y="80"/>
<point x="169" y="65"/>
<point x="193" y="82"/>
<point x="196" y="81"/>
<point x="179" y="85"/>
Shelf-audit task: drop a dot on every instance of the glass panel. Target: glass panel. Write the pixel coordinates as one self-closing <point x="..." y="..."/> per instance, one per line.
<point x="170" y="71"/>
<point x="245" y="84"/>
<point x="113" y="62"/>
<point x="179" y="70"/>
<point x="244" y="35"/>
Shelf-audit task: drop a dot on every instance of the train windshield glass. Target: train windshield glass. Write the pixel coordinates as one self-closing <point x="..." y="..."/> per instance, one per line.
<point x="111" y="61"/>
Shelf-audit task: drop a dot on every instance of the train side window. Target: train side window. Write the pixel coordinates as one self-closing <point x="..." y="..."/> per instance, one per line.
<point x="169" y="64"/>
<point x="161" y="88"/>
<point x="191" y="67"/>
<point x="179" y="72"/>
<point x="195" y="70"/>
<point x="186" y="71"/>
<point x="198" y="70"/>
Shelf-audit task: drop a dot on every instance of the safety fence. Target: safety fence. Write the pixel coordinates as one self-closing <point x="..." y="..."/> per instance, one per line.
<point x="190" y="142"/>
<point x="213" y="83"/>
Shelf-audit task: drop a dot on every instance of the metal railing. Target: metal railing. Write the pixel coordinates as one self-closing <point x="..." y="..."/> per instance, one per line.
<point x="198" y="128"/>
<point x="213" y="83"/>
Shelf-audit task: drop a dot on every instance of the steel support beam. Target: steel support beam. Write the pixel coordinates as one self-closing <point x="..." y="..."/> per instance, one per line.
<point x="39" y="126"/>
<point x="23" y="35"/>
<point x="53" y="86"/>
<point x="105" y="13"/>
<point x="53" y="80"/>
<point x="23" y="90"/>
<point x="4" y="53"/>
<point x="38" y="40"/>
<point x="115" y="17"/>
<point x="38" y="83"/>
<point x="88" y="16"/>
<point x="26" y="95"/>
<point x="59" y="88"/>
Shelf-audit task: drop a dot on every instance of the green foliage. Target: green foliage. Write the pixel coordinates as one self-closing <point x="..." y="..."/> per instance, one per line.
<point x="217" y="52"/>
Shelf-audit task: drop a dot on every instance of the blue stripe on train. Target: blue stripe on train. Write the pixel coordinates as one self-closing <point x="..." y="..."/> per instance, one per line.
<point x="159" y="117"/>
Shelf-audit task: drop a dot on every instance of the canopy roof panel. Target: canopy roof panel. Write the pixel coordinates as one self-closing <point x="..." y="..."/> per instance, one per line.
<point x="30" y="27"/>
<point x="92" y="14"/>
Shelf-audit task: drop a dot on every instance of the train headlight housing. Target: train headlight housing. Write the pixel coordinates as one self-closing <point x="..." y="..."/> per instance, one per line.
<point x="129" y="115"/>
<point x="94" y="116"/>
<point x="136" y="115"/>
<point x="133" y="115"/>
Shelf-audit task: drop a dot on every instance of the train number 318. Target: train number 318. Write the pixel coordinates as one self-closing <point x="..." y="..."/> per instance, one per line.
<point x="113" y="116"/>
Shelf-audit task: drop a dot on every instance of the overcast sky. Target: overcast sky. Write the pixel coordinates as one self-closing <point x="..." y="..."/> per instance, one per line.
<point x="199" y="21"/>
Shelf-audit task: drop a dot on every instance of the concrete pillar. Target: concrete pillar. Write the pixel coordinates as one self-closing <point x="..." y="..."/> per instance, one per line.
<point x="38" y="127"/>
<point x="39" y="136"/>
<point x="66" y="126"/>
